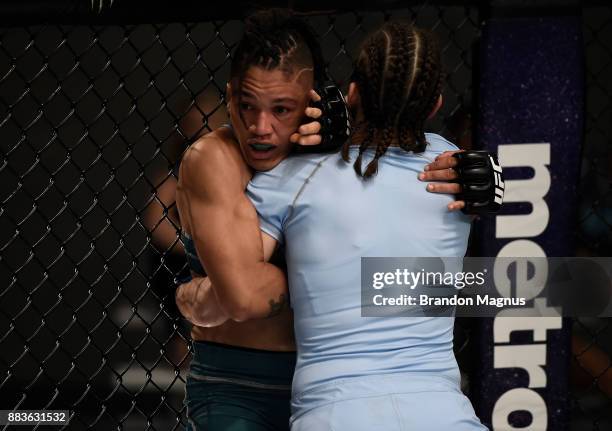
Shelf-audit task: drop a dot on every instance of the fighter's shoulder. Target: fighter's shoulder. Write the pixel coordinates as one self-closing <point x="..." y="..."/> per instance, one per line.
<point x="208" y="150"/>
<point x="211" y="164"/>
<point x="438" y="144"/>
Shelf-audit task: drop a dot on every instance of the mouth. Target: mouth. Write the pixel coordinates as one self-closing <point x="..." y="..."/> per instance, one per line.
<point x="262" y="148"/>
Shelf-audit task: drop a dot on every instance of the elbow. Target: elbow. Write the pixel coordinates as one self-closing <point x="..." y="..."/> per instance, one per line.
<point x="241" y="315"/>
<point x="239" y="312"/>
<point x="237" y="305"/>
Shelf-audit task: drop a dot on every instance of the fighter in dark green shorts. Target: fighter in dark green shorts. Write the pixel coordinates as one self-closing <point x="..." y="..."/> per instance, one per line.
<point x="241" y="372"/>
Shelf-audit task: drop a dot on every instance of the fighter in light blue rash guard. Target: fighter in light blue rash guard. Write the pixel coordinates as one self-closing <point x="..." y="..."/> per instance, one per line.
<point x="328" y="218"/>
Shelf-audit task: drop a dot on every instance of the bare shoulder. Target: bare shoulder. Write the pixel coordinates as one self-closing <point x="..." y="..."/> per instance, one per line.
<point x="212" y="154"/>
<point x="214" y="160"/>
<point x="206" y="152"/>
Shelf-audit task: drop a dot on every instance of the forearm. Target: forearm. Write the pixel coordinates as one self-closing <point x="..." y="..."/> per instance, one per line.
<point x="205" y="304"/>
<point x="259" y="292"/>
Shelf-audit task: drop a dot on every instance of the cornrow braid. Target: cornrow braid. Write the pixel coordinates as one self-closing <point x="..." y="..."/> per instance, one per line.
<point x="399" y="78"/>
<point x="381" y="148"/>
<point x="406" y="138"/>
<point x="275" y="38"/>
<point x="427" y="90"/>
<point x="371" y="131"/>
<point x="370" y="61"/>
<point x="396" y="64"/>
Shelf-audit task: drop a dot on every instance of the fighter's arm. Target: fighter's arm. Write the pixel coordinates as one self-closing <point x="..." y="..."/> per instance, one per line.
<point x="441" y="170"/>
<point x="197" y="300"/>
<point x="198" y="303"/>
<point x="474" y="176"/>
<point x="225" y="230"/>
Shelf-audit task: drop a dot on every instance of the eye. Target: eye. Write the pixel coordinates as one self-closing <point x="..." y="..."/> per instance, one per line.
<point x="280" y="110"/>
<point x="245" y="106"/>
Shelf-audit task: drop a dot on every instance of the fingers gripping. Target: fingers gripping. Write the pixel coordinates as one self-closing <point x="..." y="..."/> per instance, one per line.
<point x="482" y="183"/>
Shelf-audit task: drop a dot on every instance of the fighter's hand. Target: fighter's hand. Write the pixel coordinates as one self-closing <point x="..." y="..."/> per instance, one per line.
<point x="308" y="134"/>
<point x="441" y="169"/>
<point x="198" y="303"/>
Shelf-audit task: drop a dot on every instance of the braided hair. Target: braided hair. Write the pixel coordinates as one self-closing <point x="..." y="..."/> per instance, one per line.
<point x="275" y="38"/>
<point x="399" y="78"/>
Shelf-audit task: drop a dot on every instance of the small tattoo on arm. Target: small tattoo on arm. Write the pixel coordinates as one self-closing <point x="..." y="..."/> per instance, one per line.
<point x="277" y="306"/>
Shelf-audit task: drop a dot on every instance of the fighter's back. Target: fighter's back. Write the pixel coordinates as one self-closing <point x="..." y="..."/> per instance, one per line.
<point x="329" y="218"/>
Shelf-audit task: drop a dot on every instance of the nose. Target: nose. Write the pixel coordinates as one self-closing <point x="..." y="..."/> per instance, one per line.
<point x="262" y="126"/>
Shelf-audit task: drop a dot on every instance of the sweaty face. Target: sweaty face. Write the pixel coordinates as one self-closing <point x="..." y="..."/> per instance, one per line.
<point x="266" y="108"/>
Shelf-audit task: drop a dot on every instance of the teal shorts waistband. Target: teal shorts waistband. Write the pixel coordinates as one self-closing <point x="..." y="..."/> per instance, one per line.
<point x="221" y="363"/>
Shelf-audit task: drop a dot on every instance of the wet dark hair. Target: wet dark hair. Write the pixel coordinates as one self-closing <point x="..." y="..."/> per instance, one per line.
<point x="399" y="78"/>
<point x="276" y="38"/>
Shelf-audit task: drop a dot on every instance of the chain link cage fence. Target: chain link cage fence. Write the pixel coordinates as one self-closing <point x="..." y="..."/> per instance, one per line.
<point x="94" y="112"/>
<point x="591" y="371"/>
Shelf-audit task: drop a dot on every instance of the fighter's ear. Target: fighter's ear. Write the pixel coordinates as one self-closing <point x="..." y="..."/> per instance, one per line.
<point x="436" y="108"/>
<point x="352" y="98"/>
<point x="228" y="92"/>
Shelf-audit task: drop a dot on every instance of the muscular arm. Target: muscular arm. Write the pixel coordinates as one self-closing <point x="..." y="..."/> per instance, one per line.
<point x="225" y="229"/>
<point x="198" y="302"/>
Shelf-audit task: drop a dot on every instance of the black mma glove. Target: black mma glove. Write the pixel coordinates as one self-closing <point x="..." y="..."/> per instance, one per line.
<point x="334" y="120"/>
<point x="482" y="182"/>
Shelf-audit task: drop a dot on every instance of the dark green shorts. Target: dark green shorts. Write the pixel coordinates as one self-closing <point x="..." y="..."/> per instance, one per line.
<point x="238" y="389"/>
